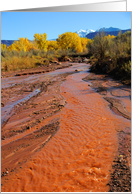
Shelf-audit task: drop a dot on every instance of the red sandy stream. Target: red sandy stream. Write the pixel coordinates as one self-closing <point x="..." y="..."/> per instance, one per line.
<point x="79" y="157"/>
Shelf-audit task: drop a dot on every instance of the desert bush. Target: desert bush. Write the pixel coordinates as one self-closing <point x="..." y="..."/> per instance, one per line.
<point x="34" y="52"/>
<point x="121" y="45"/>
<point x="110" y="46"/>
<point x="99" y="46"/>
<point x="113" y="55"/>
<point x="17" y="63"/>
<point x="61" y="53"/>
<point x="126" y="69"/>
<point x="23" y="54"/>
<point x="7" y="54"/>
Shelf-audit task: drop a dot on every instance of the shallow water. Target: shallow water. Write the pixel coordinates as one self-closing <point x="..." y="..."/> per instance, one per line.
<point x="7" y="111"/>
<point x="79" y="156"/>
<point x="15" y="80"/>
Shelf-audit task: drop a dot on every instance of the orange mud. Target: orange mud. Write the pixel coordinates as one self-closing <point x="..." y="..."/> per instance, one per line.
<point x="79" y="156"/>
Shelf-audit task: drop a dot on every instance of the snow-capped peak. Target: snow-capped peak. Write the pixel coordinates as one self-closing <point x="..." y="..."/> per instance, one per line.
<point x="81" y="30"/>
<point x="83" y="33"/>
<point x="89" y="31"/>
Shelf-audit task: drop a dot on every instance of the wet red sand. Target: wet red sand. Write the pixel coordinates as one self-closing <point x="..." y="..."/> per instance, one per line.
<point x="79" y="156"/>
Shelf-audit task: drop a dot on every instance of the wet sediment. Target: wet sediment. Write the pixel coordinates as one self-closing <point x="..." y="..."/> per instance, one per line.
<point x="23" y="130"/>
<point x="119" y="97"/>
<point x="67" y="149"/>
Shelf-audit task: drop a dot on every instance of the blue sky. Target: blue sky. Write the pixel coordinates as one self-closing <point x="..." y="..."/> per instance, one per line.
<point x="26" y="24"/>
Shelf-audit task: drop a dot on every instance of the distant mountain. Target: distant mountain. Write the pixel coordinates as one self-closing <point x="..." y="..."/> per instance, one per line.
<point x="115" y="33"/>
<point x="7" y="42"/>
<point x="90" y="34"/>
<point x="111" y="29"/>
<point x="83" y="33"/>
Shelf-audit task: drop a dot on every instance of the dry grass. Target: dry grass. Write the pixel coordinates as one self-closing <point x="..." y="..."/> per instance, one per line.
<point x="17" y="63"/>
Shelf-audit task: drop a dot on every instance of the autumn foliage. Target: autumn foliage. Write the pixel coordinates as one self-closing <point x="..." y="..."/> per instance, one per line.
<point x="52" y="45"/>
<point x="3" y="47"/>
<point x="41" y="41"/>
<point x="66" y="42"/>
<point x="70" y="41"/>
<point x="84" y="42"/>
<point x="22" y="45"/>
<point x="24" y="54"/>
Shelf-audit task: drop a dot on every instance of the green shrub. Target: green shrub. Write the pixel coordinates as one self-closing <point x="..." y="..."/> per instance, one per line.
<point x="126" y="69"/>
<point x="99" y="46"/>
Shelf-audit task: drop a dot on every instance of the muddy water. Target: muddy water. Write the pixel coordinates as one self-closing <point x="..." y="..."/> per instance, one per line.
<point x="7" y="111"/>
<point x="79" y="157"/>
<point x="16" y="80"/>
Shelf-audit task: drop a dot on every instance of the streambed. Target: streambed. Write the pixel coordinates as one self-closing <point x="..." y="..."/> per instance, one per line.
<point x="65" y="138"/>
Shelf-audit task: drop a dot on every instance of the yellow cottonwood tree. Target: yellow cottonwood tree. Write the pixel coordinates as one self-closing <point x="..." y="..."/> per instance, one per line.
<point x="71" y="41"/>
<point x="41" y="41"/>
<point x="22" y="45"/>
<point x="52" y="45"/>
<point x="3" y="47"/>
<point x="84" y="42"/>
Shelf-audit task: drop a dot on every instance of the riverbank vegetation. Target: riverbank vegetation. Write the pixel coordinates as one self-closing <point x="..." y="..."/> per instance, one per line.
<point x="112" y="55"/>
<point x="23" y="54"/>
<point x="108" y="54"/>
